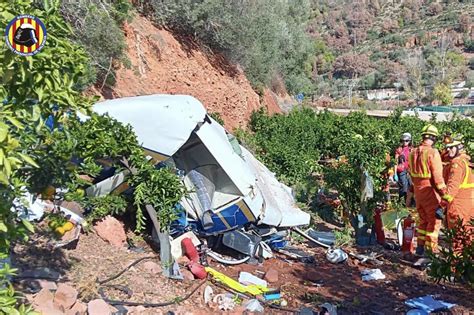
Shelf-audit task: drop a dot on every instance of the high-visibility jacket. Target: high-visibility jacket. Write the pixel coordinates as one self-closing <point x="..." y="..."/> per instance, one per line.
<point x="426" y="171"/>
<point x="425" y="167"/>
<point x="460" y="180"/>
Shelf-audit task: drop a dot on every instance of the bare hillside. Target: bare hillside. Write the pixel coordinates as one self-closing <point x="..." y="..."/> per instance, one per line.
<point x="162" y="63"/>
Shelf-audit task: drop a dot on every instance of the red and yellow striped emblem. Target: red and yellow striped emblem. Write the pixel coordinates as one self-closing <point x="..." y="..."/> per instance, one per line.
<point x="36" y="35"/>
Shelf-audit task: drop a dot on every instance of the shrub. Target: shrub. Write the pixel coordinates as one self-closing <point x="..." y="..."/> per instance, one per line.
<point x="263" y="36"/>
<point x="217" y="117"/>
<point x="434" y="9"/>
<point x="449" y="265"/>
<point x="97" y="27"/>
<point x="470" y="79"/>
<point x="442" y="92"/>
<point x="377" y="55"/>
<point x="469" y="44"/>
<point x="465" y="23"/>
<point x="451" y="16"/>
<point x="351" y="65"/>
<point x="397" y="55"/>
<point x="394" y="39"/>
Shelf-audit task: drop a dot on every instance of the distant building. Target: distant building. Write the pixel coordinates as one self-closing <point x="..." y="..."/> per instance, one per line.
<point x="380" y="94"/>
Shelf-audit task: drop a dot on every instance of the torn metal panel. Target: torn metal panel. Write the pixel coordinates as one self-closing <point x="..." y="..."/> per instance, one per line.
<point x="280" y="208"/>
<point x="214" y="137"/>
<point x="161" y="122"/>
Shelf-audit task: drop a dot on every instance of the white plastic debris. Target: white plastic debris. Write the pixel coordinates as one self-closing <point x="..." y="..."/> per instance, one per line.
<point x="264" y="251"/>
<point x="372" y="274"/>
<point x="254" y="306"/>
<point x="428" y="304"/>
<point x="246" y="278"/>
<point x="176" y="248"/>
<point x="225" y="302"/>
<point x="208" y="294"/>
<point x="336" y="255"/>
<point x="29" y="207"/>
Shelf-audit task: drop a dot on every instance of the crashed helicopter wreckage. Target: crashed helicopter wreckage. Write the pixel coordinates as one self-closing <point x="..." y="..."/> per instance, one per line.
<point x="234" y="201"/>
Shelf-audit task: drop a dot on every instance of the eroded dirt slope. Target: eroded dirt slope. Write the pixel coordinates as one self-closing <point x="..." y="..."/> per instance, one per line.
<point x="163" y="63"/>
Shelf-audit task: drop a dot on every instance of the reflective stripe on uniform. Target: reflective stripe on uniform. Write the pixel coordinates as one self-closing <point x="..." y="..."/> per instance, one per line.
<point x="448" y="198"/>
<point x="465" y="184"/>
<point x="433" y="234"/>
<point x="431" y="245"/>
<point x="424" y="165"/>
<point x="423" y="234"/>
<point x="420" y="231"/>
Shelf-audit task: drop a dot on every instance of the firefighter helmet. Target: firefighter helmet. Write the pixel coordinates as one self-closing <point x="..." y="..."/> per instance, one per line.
<point x="430" y="130"/>
<point x="456" y="141"/>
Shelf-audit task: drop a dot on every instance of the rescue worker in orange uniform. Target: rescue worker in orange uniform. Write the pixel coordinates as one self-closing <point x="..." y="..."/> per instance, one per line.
<point x="426" y="172"/>
<point x="459" y="198"/>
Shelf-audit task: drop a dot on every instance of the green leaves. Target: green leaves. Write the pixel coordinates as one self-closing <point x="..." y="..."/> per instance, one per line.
<point x="28" y="225"/>
<point x="3" y="131"/>
<point x="160" y="188"/>
<point x="3" y="227"/>
<point x="28" y="160"/>
<point x="455" y="260"/>
<point x="29" y="89"/>
<point x="297" y="144"/>
<point x="104" y="205"/>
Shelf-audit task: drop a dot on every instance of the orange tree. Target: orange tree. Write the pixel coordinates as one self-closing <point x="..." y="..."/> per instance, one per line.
<point x="294" y="146"/>
<point x="34" y="156"/>
<point x="29" y="88"/>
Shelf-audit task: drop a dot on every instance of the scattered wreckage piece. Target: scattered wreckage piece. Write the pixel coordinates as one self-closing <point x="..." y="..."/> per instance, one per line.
<point x="297" y="254"/>
<point x="371" y="258"/>
<point x="309" y="238"/>
<point x="427" y="304"/>
<point x="253" y="289"/>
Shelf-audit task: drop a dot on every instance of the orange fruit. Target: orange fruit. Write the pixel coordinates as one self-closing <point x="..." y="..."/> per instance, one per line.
<point x="68" y="226"/>
<point x="60" y="230"/>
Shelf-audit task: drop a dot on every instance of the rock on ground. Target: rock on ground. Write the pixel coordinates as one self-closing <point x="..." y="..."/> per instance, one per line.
<point x="271" y="275"/>
<point x="65" y="297"/>
<point x="188" y="275"/>
<point x="43" y="302"/>
<point x="78" y="309"/>
<point x="111" y="230"/>
<point x="98" y="307"/>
